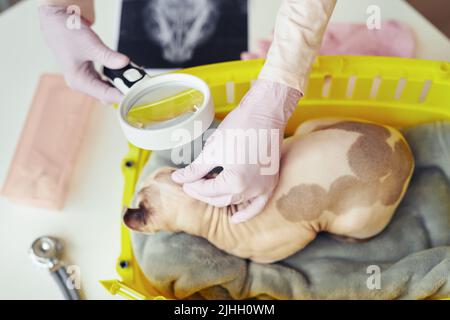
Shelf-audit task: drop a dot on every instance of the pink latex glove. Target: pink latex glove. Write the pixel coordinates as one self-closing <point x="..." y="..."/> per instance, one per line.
<point x="266" y="106"/>
<point x="76" y="50"/>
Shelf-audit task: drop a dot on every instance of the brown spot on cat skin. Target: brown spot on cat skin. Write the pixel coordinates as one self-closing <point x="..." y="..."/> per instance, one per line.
<point x="341" y="196"/>
<point x="369" y="155"/>
<point x="401" y="165"/>
<point x="364" y="128"/>
<point x="380" y="174"/>
<point x="303" y="202"/>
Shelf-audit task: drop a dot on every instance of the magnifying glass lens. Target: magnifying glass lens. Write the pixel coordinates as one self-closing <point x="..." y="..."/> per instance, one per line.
<point x="164" y="105"/>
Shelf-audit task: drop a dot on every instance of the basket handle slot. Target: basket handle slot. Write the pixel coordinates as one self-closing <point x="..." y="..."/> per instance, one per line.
<point x="376" y="83"/>
<point x="326" y="88"/>
<point x="400" y="87"/>
<point x="425" y="89"/>
<point x="350" y="86"/>
<point x="230" y="94"/>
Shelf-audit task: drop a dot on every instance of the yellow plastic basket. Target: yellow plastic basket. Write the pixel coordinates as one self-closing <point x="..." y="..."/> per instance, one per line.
<point x="394" y="91"/>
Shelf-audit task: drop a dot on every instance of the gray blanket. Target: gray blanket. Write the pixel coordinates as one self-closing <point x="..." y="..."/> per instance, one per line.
<point x="410" y="259"/>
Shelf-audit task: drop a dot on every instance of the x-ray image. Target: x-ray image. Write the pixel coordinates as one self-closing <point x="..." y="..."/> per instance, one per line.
<point x="182" y="33"/>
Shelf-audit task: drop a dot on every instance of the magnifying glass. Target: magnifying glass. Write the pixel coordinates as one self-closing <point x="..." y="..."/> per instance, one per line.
<point x="161" y="112"/>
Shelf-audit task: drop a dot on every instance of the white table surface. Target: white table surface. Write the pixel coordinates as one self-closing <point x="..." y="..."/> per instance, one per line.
<point x="89" y="223"/>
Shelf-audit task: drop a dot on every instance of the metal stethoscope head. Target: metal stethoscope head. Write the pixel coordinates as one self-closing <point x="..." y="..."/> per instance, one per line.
<point x="46" y="253"/>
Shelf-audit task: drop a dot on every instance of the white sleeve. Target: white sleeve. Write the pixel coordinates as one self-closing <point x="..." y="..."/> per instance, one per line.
<point x="299" y="28"/>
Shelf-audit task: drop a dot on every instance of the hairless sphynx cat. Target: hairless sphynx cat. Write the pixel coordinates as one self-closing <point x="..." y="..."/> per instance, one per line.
<point x="345" y="177"/>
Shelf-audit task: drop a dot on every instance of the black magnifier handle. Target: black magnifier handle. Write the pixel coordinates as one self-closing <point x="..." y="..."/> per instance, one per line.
<point x="125" y="78"/>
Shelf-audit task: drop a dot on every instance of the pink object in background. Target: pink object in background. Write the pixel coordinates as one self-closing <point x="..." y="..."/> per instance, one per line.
<point x="393" y="39"/>
<point x="46" y="153"/>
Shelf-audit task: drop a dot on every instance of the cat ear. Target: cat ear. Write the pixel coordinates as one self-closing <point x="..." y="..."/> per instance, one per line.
<point x="136" y="218"/>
